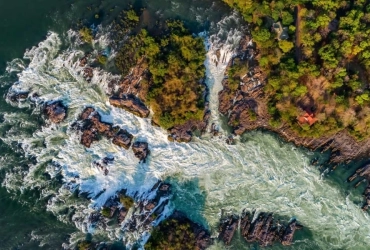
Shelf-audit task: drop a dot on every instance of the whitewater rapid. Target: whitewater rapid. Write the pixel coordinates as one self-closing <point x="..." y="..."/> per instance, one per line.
<point x="259" y="172"/>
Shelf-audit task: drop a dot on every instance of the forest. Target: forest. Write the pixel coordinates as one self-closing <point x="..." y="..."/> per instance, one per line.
<point x="321" y="65"/>
<point x="175" y="62"/>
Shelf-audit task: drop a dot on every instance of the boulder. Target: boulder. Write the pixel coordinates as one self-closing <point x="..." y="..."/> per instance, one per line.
<point x="55" y="111"/>
<point x="141" y="150"/>
<point x="122" y="139"/>
<point x="131" y="104"/>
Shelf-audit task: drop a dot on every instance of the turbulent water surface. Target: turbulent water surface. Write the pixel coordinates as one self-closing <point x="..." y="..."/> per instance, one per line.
<point x="209" y="176"/>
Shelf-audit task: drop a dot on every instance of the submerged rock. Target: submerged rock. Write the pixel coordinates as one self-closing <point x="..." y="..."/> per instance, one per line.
<point x="264" y="229"/>
<point x="131" y="104"/>
<point x="55" y="111"/>
<point x="141" y="150"/>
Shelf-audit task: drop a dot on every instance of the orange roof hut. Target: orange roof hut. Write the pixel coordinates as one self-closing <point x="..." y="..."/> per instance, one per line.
<point x="307" y="118"/>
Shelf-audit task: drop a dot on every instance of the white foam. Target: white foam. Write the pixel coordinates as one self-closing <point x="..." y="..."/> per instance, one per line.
<point x="221" y="48"/>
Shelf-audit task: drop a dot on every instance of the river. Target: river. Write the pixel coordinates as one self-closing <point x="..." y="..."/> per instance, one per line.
<point x="209" y="177"/>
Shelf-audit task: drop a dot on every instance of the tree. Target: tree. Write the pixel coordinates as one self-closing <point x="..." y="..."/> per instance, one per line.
<point x="286" y="46"/>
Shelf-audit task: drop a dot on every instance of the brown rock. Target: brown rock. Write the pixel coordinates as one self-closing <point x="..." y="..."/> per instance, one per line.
<point x="228" y="228"/>
<point x="363" y="172"/>
<point x="288" y="234"/>
<point x="184" y="132"/>
<point x="131" y="104"/>
<point x="122" y="139"/>
<point x="88" y="73"/>
<point x="263" y="229"/>
<point x="141" y="150"/>
<point x="16" y="97"/>
<point x="92" y="127"/>
<point x="122" y="215"/>
<point x="150" y="206"/>
<point x="55" y="112"/>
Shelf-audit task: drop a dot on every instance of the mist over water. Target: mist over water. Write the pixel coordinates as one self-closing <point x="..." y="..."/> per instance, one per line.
<point x="209" y="177"/>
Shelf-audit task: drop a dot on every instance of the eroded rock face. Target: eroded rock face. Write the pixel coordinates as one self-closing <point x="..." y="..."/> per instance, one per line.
<point x="131" y="104"/>
<point x="264" y="229"/>
<point x="141" y="150"/>
<point x="55" y="111"/>
<point x="92" y="128"/>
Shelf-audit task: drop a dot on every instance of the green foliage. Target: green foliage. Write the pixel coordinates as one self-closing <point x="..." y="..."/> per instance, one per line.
<point x="85" y="245"/>
<point x="361" y="99"/>
<point x="175" y="61"/>
<point x="172" y="234"/>
<point x="286" y="46"/>
<point x="126" y="201"/>
<point x="86" y="35"/>
<point x="261" y="35"/>
<point x="132" y="16"/>
<point x="102" y="59"/>
<point x="329" y="68"/>
<point x="105" y="212"/>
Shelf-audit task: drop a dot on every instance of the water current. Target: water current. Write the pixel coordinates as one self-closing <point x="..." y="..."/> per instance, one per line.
<point x="209" y="176"/>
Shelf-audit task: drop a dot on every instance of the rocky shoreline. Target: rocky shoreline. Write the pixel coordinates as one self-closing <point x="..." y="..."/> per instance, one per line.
<point x="247" y="109"/>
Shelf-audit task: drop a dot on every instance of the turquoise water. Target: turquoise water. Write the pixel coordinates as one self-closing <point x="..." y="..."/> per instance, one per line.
<point x="209" y="177"/>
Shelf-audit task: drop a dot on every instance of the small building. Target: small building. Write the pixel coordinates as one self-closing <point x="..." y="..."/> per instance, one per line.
<point x="281" y="32"/>
<point x="308" y="118"/>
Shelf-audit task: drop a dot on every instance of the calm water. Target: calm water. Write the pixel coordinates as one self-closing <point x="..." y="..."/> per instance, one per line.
<point x="261" y="172"/>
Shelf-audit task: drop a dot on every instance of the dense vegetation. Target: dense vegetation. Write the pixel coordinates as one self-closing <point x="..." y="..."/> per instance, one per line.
<point x="174" y="59"/>
<point x="126" y="201"/>
<point x="172" y="235"/>
<point x="323" y="66"/>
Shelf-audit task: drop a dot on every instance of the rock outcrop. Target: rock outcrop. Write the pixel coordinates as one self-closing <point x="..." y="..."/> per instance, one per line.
<point x="184" y="132"/>
<point x="141" y="150"/>
<point x="227" y="229"/>
<point x="131" y="104"/>
<point x="55" y="111"/>
<point x="264" y="229"/>
<point x="93" y="128"/>
<point x="364" y="174"/>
